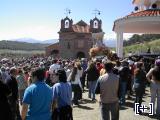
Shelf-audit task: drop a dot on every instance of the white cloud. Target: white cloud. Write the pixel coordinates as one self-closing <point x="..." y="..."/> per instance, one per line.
<point x="112" y="35"/>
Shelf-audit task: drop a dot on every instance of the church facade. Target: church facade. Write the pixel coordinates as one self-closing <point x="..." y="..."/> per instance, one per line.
<point x="75" y="40"/>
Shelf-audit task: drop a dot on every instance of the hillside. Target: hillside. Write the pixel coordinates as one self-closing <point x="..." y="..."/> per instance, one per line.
<point x="141" y="39"/>
<point x="14" y="45"/>
<point x="143" y="47"/>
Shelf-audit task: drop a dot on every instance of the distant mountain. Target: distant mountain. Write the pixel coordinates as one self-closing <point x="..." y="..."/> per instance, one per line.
<point x="27" y="40"/>
<point x="51" y="41"/>
<point x="15" y="45"/>
<point x="107" y="42"/>
<point x="31" y="40"/>
<point x="29" y="43"/>
<point x="110" y="42"/>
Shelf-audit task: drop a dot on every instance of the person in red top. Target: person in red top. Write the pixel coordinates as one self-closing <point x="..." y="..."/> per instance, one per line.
<point x="26" y="75"/>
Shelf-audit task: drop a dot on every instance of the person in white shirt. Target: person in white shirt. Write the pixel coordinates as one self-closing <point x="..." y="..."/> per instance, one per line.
<point x="53" y="70"/>
<point x="154" y="79"/>
<point x="54" y="67"/>
<point x="69" y="69"/>
<point x="74" y="78"/>
<point x="80" y="72"/>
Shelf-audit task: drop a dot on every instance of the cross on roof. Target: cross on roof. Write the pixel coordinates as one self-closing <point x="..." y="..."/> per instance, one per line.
<point x="97" y="12"/>
<point x="68" y="11"/>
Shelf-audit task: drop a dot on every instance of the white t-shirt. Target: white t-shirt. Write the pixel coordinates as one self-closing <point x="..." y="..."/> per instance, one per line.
<point x="54" y="68"/>
<point x="80" y="72"/>
<point x="68" y="71"/>
<point x="76" y="81"/>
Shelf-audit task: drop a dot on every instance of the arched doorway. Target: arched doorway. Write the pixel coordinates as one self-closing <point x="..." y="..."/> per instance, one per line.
<point x="80" y="55"/>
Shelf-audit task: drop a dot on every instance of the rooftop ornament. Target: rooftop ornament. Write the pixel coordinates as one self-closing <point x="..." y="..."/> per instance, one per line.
<point x="146" y="4"/>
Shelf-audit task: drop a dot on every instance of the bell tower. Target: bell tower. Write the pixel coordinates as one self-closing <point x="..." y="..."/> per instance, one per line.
<point x="96" y="24"/>
<point x="66" y="23"/>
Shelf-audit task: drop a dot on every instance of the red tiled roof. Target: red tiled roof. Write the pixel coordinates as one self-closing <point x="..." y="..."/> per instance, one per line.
<point x="81" y="29"/>
<point x="81" y="23"/>
<point x="147" y="13"/>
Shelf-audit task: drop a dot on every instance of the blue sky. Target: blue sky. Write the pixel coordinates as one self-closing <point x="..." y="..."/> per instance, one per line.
<point x="40" y="19"/>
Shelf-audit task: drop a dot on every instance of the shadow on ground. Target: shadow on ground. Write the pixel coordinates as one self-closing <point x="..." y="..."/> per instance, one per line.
<point x="129" y="104"/>
<point x="86" y="101"/>
<point x="123" y="108"/>
<point x="83" y="107"/>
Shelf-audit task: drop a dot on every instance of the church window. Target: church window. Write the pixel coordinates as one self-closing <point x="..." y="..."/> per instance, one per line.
<point x="95" y="24"/>
<point x="67" y="24"/>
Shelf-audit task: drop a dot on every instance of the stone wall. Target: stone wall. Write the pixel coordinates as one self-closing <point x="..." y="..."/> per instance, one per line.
<point x="52" y="47"/>
<point x="69" y="44"/>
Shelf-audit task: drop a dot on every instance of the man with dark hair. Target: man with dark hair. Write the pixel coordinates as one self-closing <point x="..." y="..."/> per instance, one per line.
<point x="62" y="94"/>
<point x="125" y="78"/>
<point x="38" y="98"/>
<point x="5" y="108"/>
<point x="39" y="73"/>
<point x="107" y="87"/>
<point x="13" y="99"/>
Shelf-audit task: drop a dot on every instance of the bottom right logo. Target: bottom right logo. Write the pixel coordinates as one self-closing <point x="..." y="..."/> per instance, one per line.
<point x="143" y="109"/>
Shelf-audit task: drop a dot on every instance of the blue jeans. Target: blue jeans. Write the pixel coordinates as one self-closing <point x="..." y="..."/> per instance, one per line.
<point x="123" y="89"/>
<point x="92" y="85"/>
<point x="155" y="93"/>
<point x="139" y="94"/>
<point x="106" y="108"/>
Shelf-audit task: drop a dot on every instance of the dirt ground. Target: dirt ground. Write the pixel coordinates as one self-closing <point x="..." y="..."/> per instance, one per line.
<point x="88" y="110"/>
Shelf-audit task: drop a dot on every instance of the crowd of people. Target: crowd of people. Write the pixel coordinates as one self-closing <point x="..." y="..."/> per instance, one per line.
<point x="44" y="88"/>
